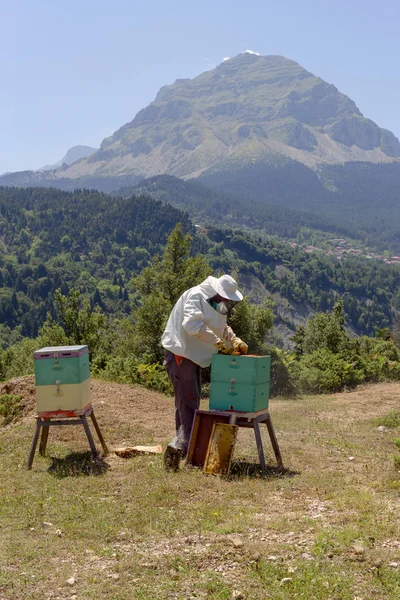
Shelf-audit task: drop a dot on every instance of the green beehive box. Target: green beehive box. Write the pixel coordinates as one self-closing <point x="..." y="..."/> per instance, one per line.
<point x="62" y="380"/>
<point x="66" y="364"/>
<point x="239" y="383"/>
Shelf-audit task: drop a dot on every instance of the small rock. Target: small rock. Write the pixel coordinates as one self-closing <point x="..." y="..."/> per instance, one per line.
<point x="383" y="428"/>
<point x="58" y="532"/>
<point x="351" y="458"/>
<point x="272" y="558"/>
<point x="93" y="558"/>
<point x="237" y="595"/>
<point x="47" y="524"/>
<point x="285" y="580"/>
<point x="394" y="565"/>
<point x="32" y="529"/>
<point x="74" y="597"/>
<point x="113" y="576"/>
<point x="71" y="581"/>
<point x="148" y="565"/>
<point x="237" y="542"/>
<point x="358" y="548"/>
<point x="307" y="556"/>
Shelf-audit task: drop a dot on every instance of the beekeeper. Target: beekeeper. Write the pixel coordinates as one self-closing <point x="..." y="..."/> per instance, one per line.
<point x="196" y="329"/>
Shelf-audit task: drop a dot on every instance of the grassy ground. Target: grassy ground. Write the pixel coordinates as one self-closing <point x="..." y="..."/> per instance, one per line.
<point x="328" y="529"/>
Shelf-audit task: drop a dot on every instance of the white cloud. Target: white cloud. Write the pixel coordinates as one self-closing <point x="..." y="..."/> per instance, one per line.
<point x="250" y="52"/>
<point x="225" y="58"/>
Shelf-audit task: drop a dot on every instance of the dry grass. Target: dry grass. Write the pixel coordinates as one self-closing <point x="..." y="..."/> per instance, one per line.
<point x="127" y="530"/>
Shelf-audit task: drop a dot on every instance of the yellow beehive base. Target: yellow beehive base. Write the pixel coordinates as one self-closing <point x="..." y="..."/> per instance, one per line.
<point x="220" y="449"/>
<point x="67" y="397"/>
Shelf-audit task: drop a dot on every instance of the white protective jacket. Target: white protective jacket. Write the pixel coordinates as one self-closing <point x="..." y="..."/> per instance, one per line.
<point x="194" y="326"/>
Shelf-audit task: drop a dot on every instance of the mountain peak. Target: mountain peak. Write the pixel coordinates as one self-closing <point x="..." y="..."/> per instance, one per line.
<point x="72" y="155"/>
<point x="249" y="109"/>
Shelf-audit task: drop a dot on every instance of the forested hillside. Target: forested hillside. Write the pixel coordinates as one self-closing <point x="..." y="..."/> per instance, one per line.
<point x="92" y="242"/>
<point x="360" y="200"/>
<point x="370" y="289"/>
<point x="51" y="239"/>
<point x="208" y="205"/>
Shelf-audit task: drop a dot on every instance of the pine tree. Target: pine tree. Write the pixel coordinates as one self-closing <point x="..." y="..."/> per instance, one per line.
<point x="160" y="285"/>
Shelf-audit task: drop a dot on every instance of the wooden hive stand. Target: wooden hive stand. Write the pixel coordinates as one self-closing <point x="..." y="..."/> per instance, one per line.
<point x="203" y="426"/>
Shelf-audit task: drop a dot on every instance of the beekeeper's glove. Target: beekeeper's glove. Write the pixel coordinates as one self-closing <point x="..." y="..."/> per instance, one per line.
<point x="224" y="346"/>
<point x="240" y="346"/>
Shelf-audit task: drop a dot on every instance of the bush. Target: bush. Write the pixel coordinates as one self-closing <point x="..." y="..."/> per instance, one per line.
<point x="391" y="420"/>
<point x="17" y="360"/>
<point x="324" y="371"/>
<point x="328" y="359"/>
<point x="281" y="381"/>
<point x="10" y="407"/>
<point x="131" y="370"/>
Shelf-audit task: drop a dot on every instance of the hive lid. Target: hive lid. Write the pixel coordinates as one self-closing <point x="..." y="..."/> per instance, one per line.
<point x="61" y="351"/>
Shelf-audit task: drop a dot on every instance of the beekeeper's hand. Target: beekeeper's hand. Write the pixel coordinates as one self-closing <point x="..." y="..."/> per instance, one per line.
<point x="224" y="346"/>
<point x="240" y="346"/>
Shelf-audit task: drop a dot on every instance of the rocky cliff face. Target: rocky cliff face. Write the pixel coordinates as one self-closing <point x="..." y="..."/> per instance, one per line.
<point x="249" y="109"/>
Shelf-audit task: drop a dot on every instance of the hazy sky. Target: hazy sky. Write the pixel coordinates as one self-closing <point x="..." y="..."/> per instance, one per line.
<point x="72" y="72"/>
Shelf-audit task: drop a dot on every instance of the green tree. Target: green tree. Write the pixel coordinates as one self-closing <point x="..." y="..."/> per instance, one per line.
<point x="77" y="323"/>
<point x="251" y="323"/>
<point x="324" y="330"/>
<point x="159" y="286"/>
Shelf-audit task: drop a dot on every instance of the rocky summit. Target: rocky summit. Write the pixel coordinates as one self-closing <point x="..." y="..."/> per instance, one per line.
<point x="249" y="110"/>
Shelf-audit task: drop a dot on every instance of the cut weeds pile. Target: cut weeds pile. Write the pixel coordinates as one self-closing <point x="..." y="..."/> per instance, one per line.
<point x="327" y="529"/>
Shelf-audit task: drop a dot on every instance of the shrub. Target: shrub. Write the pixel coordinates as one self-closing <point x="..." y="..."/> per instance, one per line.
<point x="10" y="407"/>
<point x="391" y="420"/>
<point x="324" y="371"/>
<point x="281" y="381"/>
<point x="131" y="370"/>
<point x="17" y="360"/>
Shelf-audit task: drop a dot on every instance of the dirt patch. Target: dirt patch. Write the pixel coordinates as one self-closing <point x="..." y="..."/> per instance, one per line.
<point x="366" y="402"/>
<point x="141" y="415"/>
<point x="25" y="387"/>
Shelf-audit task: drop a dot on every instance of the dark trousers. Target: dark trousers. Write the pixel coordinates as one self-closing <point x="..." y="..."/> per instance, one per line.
<point x="186" y="379"/>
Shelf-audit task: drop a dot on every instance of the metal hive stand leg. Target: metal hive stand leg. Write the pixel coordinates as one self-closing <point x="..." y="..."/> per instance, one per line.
<point x="89" y="436"/>
<point x="260" y="448"/>
<point x="43" y="439"/>
<point x="33" y="445"/>
<point x="99" y="434"/>
<point x="274" y="441"/>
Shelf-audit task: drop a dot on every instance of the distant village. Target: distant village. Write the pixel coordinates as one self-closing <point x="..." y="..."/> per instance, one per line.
<point x="344" y="248"/>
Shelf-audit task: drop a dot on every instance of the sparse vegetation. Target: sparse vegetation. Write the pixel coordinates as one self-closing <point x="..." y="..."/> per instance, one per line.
<point x="328" y="529"/>
<point x="391" y="420"/>
<point x="10" y="407"/>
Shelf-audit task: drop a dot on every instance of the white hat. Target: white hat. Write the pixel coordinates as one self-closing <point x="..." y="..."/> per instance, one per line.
<point x="226" y="287"/>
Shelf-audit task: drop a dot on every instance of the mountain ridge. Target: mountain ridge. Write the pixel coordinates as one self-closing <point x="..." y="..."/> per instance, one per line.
<point x="72" y="155"/>
<point x="248" y="109"/>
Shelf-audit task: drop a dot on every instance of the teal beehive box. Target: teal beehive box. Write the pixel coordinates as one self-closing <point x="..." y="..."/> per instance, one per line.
<point x="62" y="379"/>
<point x="239" y="383"/>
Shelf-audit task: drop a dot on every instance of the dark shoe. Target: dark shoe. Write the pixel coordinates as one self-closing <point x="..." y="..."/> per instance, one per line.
<point x="172" y="457"/>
